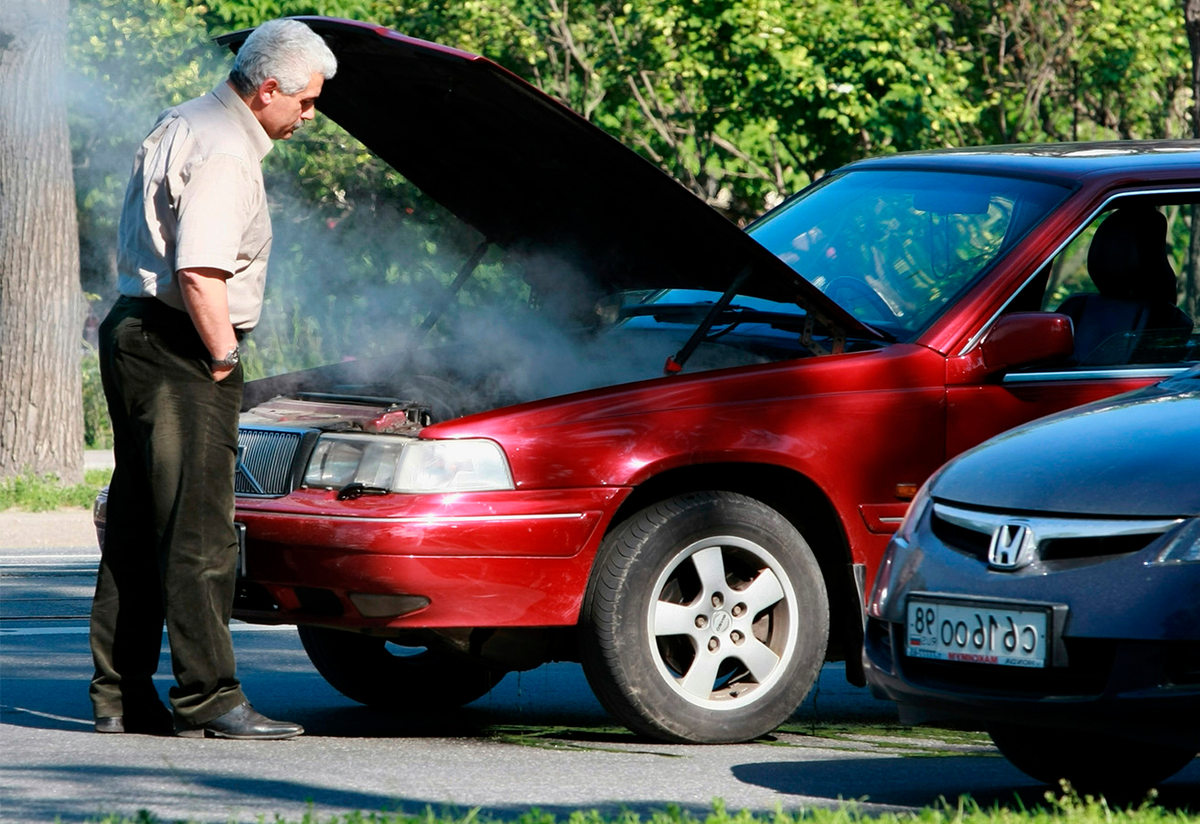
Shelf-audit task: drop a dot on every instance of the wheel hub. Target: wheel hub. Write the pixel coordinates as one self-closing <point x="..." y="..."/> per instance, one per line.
<point x="722" y="622"/>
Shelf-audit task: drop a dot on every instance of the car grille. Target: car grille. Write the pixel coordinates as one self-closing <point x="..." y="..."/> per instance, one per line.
<point x="1057" y="539"/>
<point x="266" y="461"/>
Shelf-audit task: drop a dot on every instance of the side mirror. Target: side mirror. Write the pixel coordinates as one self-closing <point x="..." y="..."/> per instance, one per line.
<point x="1026" y="338"/>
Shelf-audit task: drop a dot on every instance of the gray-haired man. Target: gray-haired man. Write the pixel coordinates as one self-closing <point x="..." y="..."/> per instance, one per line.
<point x="194" y="239"/>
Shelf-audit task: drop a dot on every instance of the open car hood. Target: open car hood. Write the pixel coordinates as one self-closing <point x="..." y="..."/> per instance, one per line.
<point x="527" y="172"/>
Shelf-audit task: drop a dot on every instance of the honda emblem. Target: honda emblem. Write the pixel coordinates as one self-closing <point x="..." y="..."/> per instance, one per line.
<point x="1013" y="546"/>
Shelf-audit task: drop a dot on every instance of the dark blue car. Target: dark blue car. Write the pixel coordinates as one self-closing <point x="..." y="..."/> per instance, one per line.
<point x="1046" y="586"/>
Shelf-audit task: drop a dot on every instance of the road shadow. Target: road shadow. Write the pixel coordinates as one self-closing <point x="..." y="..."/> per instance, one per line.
<point x="921" y="781"/>
<point x="871" y="784"/>
<point x="245" y="798"/>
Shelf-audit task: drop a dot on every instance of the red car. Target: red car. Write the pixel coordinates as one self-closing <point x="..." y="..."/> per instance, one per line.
<point x="683" y="462"/>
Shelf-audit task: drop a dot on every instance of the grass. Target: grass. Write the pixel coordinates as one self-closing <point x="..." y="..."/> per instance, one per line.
<point x="894" y="737"/>
<point x="45" y="493"/>
<point x="1062" y="807"/>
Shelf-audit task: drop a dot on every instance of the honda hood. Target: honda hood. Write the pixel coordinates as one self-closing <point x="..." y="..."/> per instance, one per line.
<point x="1136" y="455"/>
<point x="527" y="172"/>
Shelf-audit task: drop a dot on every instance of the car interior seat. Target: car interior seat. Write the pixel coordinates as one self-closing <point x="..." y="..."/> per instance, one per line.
<point x="1134" y="318"/>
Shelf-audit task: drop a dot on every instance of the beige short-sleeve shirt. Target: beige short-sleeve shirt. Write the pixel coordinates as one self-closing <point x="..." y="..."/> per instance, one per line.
<point x="196" y="199"/>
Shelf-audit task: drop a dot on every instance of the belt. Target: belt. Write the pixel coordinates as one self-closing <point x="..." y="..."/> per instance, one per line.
<point x="154" y="304"/>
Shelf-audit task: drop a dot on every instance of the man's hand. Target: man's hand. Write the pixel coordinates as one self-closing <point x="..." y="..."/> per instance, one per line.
<point x="207" y="303"/>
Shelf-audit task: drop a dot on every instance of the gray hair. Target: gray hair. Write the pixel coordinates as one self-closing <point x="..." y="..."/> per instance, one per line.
<point x="287" y="50"/>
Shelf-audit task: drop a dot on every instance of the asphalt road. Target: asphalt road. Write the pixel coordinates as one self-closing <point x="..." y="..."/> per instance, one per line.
<point x="539" y="740"/>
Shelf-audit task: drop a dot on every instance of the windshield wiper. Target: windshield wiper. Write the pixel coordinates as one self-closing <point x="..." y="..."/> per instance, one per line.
<point x="733" y="315"/>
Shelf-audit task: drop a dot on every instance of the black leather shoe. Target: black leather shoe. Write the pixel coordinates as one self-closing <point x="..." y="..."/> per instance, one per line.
<point x="243" y="723"/>
<point x="154" y="722"/>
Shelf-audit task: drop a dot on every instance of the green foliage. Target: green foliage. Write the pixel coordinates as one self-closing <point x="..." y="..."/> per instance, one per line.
<point x="743" y="101"/>
<point x="46" y="492"/>
<point x="1076" y="69"/>
<point x="130" y="60"/>
<point x="232" y="15"/>
<point x="97" y="427"/>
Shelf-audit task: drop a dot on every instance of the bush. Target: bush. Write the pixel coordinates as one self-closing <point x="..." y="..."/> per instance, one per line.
<point x="46" y="492"/>
<point x="97" y="427"/>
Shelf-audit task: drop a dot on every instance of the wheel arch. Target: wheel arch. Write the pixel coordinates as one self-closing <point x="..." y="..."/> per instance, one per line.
<point x="802" y="502"/>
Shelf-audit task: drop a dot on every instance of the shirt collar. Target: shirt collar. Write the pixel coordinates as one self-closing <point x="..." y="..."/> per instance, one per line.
<point x="255" y="134"/>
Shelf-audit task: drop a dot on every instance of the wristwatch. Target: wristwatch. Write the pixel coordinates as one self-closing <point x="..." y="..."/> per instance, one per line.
<point x="232" y="358"/>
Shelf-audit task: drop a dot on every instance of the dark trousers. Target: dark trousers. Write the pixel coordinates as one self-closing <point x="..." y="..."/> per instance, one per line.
<point x="170" y="550"/>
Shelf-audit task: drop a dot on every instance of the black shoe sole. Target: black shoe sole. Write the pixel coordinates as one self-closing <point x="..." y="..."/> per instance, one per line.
<point x="204" y="732"/>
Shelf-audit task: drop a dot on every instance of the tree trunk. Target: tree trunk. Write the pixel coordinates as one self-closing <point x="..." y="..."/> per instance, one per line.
<point x="1191" y="305"/>
<point x="41" y="303"/>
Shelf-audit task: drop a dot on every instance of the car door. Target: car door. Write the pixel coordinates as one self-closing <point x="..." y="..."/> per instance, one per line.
<point x="1121" y="288"/>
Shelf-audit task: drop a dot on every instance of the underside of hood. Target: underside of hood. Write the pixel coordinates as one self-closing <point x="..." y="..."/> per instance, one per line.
<point x="528" y="173"/>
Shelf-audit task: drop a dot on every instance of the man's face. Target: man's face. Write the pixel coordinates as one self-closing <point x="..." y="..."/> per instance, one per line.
<point x="281" y="114"/>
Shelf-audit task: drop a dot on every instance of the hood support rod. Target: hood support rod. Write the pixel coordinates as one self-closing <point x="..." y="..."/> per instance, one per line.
<point x="675" y="364"/>
<point x="463" y="275"/>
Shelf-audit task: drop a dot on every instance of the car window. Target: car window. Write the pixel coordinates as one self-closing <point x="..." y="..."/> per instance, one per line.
<point x="1121" y="281"/>
<point x="896" y="247"/>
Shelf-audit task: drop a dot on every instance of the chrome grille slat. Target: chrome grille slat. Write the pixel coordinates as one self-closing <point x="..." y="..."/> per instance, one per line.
<point x="1052" y="537"/>
<point x="265" y="461"/>
<point x="1051" y="527"/>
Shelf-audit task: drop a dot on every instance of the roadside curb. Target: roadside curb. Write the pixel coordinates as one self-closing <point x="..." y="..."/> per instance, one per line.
<point x="98" y="459"/>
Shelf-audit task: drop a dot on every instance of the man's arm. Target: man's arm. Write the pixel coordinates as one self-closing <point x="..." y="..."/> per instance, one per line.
<point x="207" y="303"/>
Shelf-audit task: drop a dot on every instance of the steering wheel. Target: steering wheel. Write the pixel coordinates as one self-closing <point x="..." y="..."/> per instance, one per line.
<point x="855" y="296"/>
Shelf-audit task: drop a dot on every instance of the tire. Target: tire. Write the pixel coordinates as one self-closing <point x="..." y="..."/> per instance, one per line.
<point x="388" y="676"/>
<point x="705" y="621"/>
<point x="1092" y="762"/>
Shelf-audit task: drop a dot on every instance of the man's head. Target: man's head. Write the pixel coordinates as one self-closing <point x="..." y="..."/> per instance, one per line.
<point x="279" y="72"/>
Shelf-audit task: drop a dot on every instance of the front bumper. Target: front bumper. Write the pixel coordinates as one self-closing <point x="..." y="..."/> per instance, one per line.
<point x="1131" y="638"/>
<point x="496" y="559"/>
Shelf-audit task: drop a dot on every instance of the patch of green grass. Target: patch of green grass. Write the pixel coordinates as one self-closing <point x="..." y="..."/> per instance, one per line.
<point x="597" y="739"/>
<point x="894" y="737"/>
<point x="1062" y="807"/>
<point x="46" y="492"/>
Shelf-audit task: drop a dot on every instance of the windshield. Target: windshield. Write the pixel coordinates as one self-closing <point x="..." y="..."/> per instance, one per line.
<point x="895" y="247"/>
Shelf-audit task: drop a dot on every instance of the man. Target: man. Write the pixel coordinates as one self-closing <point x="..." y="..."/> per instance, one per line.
<point x="194" y="239"/>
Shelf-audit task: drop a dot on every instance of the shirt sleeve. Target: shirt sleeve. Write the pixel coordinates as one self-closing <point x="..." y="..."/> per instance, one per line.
<point x="214" y="211"/>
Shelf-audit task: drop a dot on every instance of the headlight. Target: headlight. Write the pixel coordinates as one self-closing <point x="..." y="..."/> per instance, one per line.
<point x="1183" y="546"/>
<point x="395" y="464"/>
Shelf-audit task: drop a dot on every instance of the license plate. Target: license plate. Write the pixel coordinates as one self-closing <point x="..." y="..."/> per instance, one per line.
<point x="977" y="633"/>
<point x="240" y="529"/>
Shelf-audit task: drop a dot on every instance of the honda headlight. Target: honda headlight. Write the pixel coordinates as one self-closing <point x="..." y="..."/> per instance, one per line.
<point x="1183" y="545"/>
<point x="383" y="463"/>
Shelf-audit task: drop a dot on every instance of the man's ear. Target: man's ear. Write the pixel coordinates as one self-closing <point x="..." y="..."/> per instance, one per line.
<point x="267" y="90"/>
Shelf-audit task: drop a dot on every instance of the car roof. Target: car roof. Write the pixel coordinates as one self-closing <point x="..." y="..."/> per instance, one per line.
<point x="1140" y="159"/>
